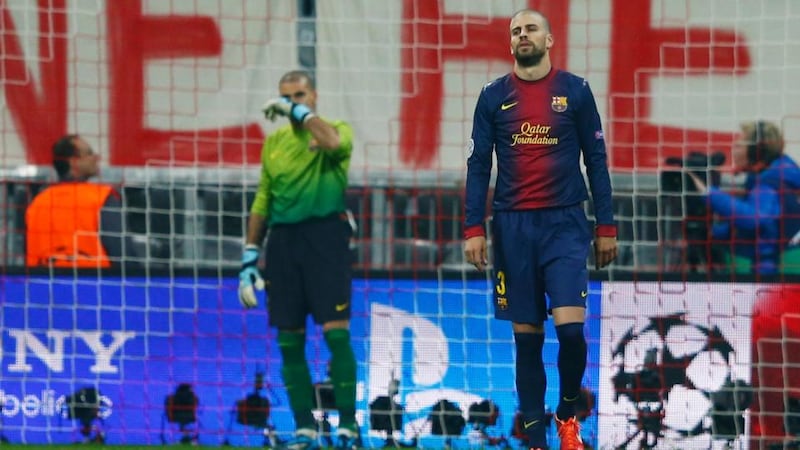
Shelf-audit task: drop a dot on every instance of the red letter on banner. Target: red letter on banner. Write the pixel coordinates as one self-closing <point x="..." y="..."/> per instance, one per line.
<point x="637" y="52"/>
<point x="39" y="112"/>
<point x="133" y="39"/>
<point x="429" y="39"/>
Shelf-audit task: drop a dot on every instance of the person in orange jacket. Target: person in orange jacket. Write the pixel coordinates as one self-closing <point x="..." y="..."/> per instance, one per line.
<point x="75" y="223"/>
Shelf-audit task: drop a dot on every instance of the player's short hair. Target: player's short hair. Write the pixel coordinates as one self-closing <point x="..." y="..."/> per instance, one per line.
<point x="298" y="75"/>
<point x="533" y="11"/>
<point x="764" y="141"/>
<point x="64" y="149"/>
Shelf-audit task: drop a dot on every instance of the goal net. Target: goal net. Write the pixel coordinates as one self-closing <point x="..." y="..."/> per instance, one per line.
<point x="158" y="350"/>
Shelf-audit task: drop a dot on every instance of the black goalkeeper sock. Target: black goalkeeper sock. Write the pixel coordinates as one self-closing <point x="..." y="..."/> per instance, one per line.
<point x="531" y="382"/>
<point x="297" y="377"/>
<point x="343" y="375"/>
<point x="571" y="366"/>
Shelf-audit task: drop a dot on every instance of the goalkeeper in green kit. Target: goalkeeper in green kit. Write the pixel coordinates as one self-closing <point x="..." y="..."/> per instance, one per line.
<point x="301" y="201"/>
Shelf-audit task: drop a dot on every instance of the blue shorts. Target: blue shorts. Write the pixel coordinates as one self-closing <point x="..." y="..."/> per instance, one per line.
<point x="538" y="252"/>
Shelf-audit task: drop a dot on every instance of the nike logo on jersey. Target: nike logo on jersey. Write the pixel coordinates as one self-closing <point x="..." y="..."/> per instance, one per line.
<point x="584" y="294"/>
<point x="529" y="424"/>
<point x="342" y="307"/>
<point x="506" y="106"/>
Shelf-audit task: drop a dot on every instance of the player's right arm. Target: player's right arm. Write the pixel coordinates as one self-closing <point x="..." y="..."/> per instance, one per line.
<point x="326" y="135"/>
<point x="344" y="140"/>
<point x="479" y="170"/>
<point x="256" y="225"/>
<point x="250" y="279"/>
<point x="259" y="210"/>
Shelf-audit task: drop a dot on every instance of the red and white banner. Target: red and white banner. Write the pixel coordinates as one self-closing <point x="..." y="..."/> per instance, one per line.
<point x="151" y="82"/>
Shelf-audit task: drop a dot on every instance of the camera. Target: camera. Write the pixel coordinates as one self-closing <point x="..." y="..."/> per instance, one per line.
<point x="84" y="406"/>
<point x="728" y="409"/>
<point x="447" y="419"/>
<point x="705" y="166"/>
<point x="181" y="406"/>
<point x="693" y="207"/>
<point x="254" y="409"/>
<point x="385" y="415"/>
<point x="483" y="413"/>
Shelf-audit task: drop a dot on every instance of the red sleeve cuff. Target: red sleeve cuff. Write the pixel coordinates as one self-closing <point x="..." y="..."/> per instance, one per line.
<point x="606" y="231"/>
<point x="475" y="230"/>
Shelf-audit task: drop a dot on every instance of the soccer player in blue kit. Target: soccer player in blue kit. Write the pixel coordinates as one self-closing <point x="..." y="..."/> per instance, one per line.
<point x="539" y="120"/>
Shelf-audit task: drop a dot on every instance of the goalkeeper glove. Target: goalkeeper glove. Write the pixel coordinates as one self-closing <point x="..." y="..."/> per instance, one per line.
<point x="281" y="106"/>
<point x="249" y="278"/>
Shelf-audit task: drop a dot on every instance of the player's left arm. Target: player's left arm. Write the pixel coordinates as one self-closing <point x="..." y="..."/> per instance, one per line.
<point x="344" y="148"/>
<point x="259" y="208"/>
<point x="325" y="134"/>
<point x="593" y="146"/>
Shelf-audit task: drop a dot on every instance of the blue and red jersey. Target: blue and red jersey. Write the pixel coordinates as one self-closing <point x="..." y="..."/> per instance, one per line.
<point x="538" y="131"/>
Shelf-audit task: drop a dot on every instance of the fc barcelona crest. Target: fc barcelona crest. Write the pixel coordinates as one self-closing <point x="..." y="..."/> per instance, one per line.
<point x="559" y="104"/>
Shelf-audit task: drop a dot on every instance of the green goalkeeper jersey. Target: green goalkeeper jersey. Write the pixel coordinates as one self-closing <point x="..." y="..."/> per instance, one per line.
<point x="299" y="182"/>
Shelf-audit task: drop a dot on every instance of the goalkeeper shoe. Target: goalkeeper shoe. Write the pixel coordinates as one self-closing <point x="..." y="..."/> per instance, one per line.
<point x="347" y="439"/>
<point x="304" y="439"/>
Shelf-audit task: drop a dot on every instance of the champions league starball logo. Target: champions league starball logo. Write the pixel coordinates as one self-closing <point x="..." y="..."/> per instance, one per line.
<point x="673" y="380"/>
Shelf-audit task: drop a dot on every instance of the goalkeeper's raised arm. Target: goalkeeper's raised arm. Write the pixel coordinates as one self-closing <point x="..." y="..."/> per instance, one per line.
<point x="301" y="201"/>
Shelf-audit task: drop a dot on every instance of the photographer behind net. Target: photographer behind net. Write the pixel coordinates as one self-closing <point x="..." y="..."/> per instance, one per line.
<point x="758" y="223"/>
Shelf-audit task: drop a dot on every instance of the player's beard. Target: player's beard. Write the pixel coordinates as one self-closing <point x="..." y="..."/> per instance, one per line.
<point x="531" y="59"/>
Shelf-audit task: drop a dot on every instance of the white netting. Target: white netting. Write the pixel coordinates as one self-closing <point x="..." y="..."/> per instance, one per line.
<point x="169" y="94"/>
